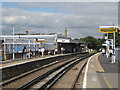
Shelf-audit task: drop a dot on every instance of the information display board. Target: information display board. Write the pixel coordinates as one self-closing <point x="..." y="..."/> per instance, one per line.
<point x="108" y="29"/>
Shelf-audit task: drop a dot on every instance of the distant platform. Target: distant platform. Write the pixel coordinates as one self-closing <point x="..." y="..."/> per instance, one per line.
<point x="9" y="63"/>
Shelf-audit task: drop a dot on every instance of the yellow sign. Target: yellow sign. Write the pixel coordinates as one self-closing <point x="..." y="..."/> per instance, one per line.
<point x="108" y="29"/>
<point x="40" y="41"/>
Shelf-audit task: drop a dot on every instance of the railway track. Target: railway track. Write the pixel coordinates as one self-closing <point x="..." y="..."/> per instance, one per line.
<point x="76" y="80"/>
<point x="50" y="74"/>
<point x="73" y="78"/>
<point x="50" y="77"/>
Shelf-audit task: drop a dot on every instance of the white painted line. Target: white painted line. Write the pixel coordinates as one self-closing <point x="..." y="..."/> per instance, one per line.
<point x="86" y="71"/>
<point x="85" y="76"/>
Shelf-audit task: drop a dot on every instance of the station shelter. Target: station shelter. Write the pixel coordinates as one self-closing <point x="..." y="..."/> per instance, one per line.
<point x="34" y="42"/>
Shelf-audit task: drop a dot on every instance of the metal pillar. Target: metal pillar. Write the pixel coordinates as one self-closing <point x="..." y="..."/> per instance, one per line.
<point x="34" y="49"/>
<point x="4" y="51"/>
<point x="29" y="48"/>
<point x="107" y="47"/>
<point x="114" y="49"/>
<point x="13" y="43"/>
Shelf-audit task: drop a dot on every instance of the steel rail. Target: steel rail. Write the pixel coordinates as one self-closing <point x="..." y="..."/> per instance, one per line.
<point x="48" y="83"/>
<point x="32" y="71"/>
<point x="35" y="70"/>
<point x="28" y="85"/>
<point x="77" y="77"/>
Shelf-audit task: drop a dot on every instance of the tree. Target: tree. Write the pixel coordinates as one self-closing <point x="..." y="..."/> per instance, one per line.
<point x="92" y="42"/>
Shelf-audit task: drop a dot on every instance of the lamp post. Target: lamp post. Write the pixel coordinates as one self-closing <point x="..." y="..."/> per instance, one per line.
<point x="114" y="49"/>
<point x="14" y="41"/>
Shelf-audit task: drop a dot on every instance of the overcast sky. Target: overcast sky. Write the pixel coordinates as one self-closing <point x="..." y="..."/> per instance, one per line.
<point x="80" y="18"/>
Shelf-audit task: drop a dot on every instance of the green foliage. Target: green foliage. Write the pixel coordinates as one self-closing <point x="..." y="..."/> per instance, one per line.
<point x="92" y="42"/>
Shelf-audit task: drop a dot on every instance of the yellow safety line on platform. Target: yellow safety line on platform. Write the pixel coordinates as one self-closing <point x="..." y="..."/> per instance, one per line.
<point x="99" y="65"/>
<point x="102" y="70"/>
<point x="107" y="83"/>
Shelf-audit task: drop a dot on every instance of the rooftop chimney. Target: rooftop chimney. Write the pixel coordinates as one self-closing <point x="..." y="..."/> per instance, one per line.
<point x="65" y="32"/>
<point x="26" y="32"/>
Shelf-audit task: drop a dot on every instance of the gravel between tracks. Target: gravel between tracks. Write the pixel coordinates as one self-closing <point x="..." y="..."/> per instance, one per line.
<point x="67" y="80"/>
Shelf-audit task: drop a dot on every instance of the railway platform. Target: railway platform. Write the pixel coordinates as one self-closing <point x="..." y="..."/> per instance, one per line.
<point x="101" y="73"/>
<point x="11" y="62"/>
<point x="22" y="66"/>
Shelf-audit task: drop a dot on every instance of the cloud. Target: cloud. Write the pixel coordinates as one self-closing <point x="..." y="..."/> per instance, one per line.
<point x="119" y="14"/>
<point x="61" y="0"/>
<point x="13" y="19"/>
<point x="81" y="19"/>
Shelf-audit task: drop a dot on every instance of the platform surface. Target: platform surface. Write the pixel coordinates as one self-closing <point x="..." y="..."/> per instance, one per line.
<point x="101" y="73"/>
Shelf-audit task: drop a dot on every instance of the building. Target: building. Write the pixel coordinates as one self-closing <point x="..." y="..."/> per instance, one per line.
<point x="34" y="42"/>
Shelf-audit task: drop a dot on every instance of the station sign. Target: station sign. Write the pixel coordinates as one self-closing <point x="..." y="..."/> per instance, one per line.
<point x="63" y="40"/>
<point x="40" y="40"/>
<point x="108" y="29"/>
